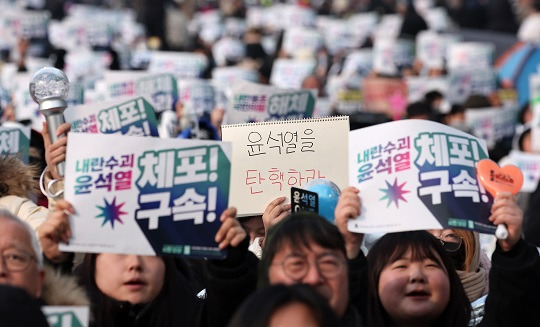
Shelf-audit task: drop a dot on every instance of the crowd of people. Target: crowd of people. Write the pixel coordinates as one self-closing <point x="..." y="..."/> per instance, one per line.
<point x="282" y="268"/>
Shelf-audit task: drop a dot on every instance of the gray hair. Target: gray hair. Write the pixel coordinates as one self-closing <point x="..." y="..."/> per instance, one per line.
<point x="6" y="214"/>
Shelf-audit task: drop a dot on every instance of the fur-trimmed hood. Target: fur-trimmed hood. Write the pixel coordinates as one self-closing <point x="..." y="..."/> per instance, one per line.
<point x="61" y="289"/>
<point x="17" y="178"/>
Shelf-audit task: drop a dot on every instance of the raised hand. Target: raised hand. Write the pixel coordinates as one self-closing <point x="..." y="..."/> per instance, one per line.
<point x="505" y="210"/>
<point x="348" y="207"/>
<point x="56" y="152"/>
<point x="231" y="232"/>
<point x="55" y="229"/>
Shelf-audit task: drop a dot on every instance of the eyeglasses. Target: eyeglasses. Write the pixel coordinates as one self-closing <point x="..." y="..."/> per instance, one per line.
<point x="16" y="260"/>
<point x="451" y="242"/>
<point x="296" y="267"/>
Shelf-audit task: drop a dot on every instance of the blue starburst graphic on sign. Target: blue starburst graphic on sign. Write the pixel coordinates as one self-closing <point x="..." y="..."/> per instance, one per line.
<point x="394" y="193"/>
<point x="111" y="212"/>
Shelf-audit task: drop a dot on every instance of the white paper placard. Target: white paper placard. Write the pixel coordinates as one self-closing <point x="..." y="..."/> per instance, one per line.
<point x="270" y="157"/>
<point x="416" y="175"/>
<point x="529" y="164"/>
<point x="66" y="316"/>
<point x="491" y="124"/>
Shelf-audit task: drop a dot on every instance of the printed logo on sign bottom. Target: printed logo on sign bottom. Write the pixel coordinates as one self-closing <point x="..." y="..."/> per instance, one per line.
<point x="111" y="212"/>
<point x="394" y="193"/>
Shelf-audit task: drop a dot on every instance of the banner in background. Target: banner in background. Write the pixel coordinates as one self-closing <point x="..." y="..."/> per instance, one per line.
<point x="529" y="164"/>
<point x="66" y="316"/>
<point x="128" y="117"/>
<point x="492" y="124"/>
<point x="15" y="140"/>
<point x="251" y="102"/>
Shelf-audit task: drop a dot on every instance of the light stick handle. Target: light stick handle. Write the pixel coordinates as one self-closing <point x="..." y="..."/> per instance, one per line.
<point x="501" y="232"/>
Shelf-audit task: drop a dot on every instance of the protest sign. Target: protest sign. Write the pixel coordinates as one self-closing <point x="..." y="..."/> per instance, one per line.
<point x="418" y="86"/>
<point x="128" y="117"/>
<point x="416" y="175"/>
<point x="161" y="89"/>
<point x="235" y="27"/>
<point x="388" y="27"/>
<point x="251" y="102"/>
<point x="146" y="195"/>
<point x="180" y="64"/>
<point x="385" y="95"/>
<point x="437" y="18"/>
<point x="86" y="66"/>
<point x="390" y="55"/>
<point x="289" y="73"/>
<point x="197" y="96"/>
<point x="26" y="107"/>
<point x="15" y="140"/>
<point x="291" y="15"/>
<point x="225" y="77"/>
<point x="270" y="157"/>
<point x="362" y="26"/>
<point x="75" y="32"/>
<point x="338" y="36"/>
<point x="359" y="62"/>
<point x="508" y="97"/>
<point x="464" y="82"/>
<point x="66" y="316"/>
<point x="349" y="101"/>
<point x="255" y="16"/>
<point x="304" y="200"/>
<point x="432" y="48"/>
<point x="26" y="24"/>
<point x="302" y="39"/>
<point x="491" y="124"/>
<point x="470" y="55"/>
<point x="529" y="164"/>
<point x="323" y="107"/>
<point x="228" y="50"/>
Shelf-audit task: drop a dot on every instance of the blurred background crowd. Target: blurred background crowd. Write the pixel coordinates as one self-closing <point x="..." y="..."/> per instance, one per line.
<point x="375" y="61"/>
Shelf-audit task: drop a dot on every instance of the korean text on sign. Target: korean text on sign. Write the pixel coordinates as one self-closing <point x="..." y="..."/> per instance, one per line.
<point x="393" y="156"/>
<point x="163" y="171"/>
<point x="452" y="160"/>
<point x="106" y="173"/>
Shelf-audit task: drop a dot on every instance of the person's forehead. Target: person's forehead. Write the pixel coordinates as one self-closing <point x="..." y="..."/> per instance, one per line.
<point x="287" y="249"/>
<point x="13" y="234"/>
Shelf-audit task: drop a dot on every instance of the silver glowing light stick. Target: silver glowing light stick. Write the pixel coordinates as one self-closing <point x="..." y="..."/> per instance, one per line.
<point x="49" y="87"/>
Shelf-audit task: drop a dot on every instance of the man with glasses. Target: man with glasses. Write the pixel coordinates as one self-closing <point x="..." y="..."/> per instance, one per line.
<point x="305" y="248"/>
<point x="21" y="262"/>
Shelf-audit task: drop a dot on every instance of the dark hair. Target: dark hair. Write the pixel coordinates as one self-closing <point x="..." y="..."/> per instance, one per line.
<point x="258" y="308"/>
<point x="175" y="303"/>
<point x="456" y="109"/>
<point x="391" y="247"/>
<point x="419" y="108"/>
<point x="431" y="96"/>
<point x="298" y="230"/>
<point x="18" y="308"/>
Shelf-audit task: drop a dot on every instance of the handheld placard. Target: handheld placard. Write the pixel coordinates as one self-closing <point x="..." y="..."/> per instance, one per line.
<point x="497" y="179"/>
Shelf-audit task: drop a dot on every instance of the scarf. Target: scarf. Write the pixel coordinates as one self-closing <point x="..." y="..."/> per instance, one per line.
<point x="476" y="282"/>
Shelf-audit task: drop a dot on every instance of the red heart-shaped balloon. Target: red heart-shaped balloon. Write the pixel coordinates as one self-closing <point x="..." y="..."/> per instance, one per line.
<point x="497" y="179"/>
